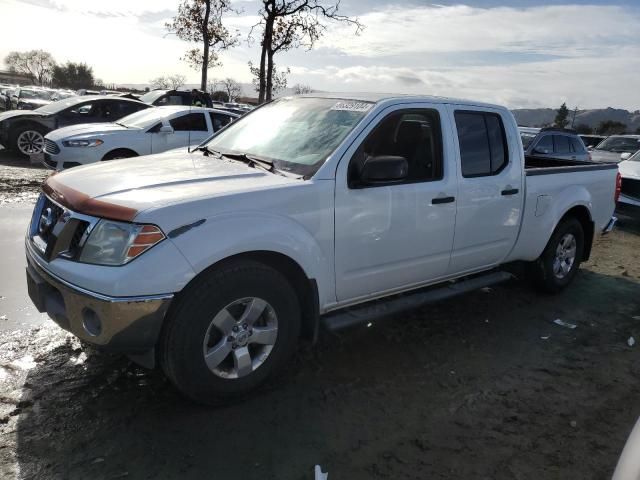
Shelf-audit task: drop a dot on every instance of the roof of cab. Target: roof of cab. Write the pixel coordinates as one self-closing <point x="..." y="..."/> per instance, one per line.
<point x="395" y="97"/>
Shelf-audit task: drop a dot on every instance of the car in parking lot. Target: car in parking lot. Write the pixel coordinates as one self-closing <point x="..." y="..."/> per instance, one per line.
<point x="29" y="98"/>
<point x="592" y="141"/>
<point x="616" y="148"/>
<point x="23" y="131"/>
<point x="630" y="182"/>
<point x="553" y="142"/>
<point x="162" y="97"/>
<point x="310" y="210"/>
<point x="148" y="131"/>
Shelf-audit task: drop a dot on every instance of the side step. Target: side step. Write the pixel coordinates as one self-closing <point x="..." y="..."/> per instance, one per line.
<point x="377" y="309"/>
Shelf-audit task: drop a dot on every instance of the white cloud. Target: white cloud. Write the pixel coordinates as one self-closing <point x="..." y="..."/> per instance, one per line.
<point x="561" y="30"/>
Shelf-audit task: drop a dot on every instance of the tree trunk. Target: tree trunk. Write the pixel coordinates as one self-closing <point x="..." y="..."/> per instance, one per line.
<point x="269" y="93"/>
<point x="205" y="38"/>
<point x="266" y="47"/>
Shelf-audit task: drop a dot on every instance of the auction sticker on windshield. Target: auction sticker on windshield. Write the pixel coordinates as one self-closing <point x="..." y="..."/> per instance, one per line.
<point x="352" y="106"/>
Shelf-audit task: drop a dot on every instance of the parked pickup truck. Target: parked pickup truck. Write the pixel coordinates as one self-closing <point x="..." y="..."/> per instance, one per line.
<point x="313" y="210"/>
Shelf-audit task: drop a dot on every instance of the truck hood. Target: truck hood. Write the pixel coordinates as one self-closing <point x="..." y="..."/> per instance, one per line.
<point x="121" y="189"/>
<point x="605" y="156"/>
<point x="87" y="129"/>
<point x="18" y="113"/>
<point x="629" y="169"/>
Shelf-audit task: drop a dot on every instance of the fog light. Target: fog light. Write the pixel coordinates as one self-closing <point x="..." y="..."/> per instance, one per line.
<point x="91" y="322"/>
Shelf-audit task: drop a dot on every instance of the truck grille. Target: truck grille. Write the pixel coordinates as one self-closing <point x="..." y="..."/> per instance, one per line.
<point x="56" y="231"/>
<point x="51" y="147"/>
<point x="631" y="188"/>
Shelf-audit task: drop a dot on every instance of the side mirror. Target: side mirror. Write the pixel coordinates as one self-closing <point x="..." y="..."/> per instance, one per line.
<point x="541" y="151"/>
<point x="590" y="147"/>
<point x="166" y="129"/>
<point x="625" y="156"/>
<point x="384" y="169"/>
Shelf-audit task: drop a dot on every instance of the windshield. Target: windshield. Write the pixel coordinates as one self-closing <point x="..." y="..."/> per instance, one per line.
<point x="40" y="94"/>
<point x="635" y="157"/>
<point x="297" y="134"/>
<point x="527" y="138"/>
<point x="152" y="96"/>
<point x="143" y="118"/>
<point x="60" y="105"/>
<point x="620" y="144"/>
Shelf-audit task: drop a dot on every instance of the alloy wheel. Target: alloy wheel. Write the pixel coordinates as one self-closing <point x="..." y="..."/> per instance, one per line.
<point x="30" y="142"/>
<point x="240" y="338"/>
<point x="565" y="256"/>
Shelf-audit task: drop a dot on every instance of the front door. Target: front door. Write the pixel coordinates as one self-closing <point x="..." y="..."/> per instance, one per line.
<point x="390" y="236"/>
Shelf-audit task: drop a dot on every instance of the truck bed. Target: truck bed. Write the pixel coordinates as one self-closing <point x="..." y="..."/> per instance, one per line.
<point x="534" y="165"/>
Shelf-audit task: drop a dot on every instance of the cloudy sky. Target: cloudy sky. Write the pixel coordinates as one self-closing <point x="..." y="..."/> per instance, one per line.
<point x="520" y="53"/>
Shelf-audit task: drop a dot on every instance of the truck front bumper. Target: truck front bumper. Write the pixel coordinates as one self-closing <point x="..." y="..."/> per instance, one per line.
<point x="129" y="325"/>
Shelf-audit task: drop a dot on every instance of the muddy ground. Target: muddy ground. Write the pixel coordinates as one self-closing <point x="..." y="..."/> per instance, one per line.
<point x="485" y="386"/>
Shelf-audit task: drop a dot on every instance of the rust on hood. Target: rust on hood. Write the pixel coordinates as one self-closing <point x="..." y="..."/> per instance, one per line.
<point x="83" y="203"/>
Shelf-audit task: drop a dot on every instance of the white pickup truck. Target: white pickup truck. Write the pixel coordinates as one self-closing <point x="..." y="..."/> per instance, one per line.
<point x="311" y="210"/>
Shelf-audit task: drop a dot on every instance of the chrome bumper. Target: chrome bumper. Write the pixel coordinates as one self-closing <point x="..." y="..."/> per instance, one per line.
<point x="128" y="325"/>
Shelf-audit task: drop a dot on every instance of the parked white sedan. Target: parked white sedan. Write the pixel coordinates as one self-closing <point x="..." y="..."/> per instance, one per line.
<point x="153" y="130"/>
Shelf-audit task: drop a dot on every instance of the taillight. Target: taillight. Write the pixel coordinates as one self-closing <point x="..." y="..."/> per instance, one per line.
<point x="618" y="187"/>
<point x="590" y="157"/>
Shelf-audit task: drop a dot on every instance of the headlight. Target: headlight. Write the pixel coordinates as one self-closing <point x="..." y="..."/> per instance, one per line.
<point x="83" y="143"/>
<point x="117" y="243"/>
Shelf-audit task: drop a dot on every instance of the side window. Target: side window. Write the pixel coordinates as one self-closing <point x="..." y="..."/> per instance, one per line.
<point x="218" y="121"/>
<point x="545" y="144"/>
<point x="194" y="122"/>
<point x="127" y="108"/>
<point x="413" y="134"/>
<point x="79" y="111"/>
<point x="576" y="145"/>
<point x="561" y="144"/>
<point x="155" y="128"/>
<point x="483" y="143"/>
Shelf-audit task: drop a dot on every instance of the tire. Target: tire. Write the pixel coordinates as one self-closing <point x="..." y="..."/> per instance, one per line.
<point x="560" y="260"/>
<point x="197" y="323"/>
<point x="28" y="140"/>
<point x="119" y="153"/>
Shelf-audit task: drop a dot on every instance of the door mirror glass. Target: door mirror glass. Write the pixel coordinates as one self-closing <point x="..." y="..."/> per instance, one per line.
<point x="541" y="151"/>
<point x="166" y="129"/>
<point x="384" y="169"/>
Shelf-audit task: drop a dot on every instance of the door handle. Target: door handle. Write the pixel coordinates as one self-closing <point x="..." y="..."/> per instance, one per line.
<point x="439" y="200"/>
<point x="510" y="191"/>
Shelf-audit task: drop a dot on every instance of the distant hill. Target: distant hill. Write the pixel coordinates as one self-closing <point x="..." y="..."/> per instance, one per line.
<point x="541" y="117"/>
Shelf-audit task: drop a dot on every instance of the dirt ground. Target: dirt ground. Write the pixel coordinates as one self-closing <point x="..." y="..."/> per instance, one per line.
<point x="485" y="386"/>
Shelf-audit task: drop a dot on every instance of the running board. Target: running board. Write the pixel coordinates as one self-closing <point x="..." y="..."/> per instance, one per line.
<point x="377" y="309"/>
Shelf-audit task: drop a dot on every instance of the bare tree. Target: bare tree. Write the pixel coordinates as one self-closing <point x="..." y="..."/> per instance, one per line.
<point x="301" y="89"/>
<point x="38" y="64"/>
<point x="278" y="79"/>
<point x="200" y="21"/>
<point x="288" y="24"/>
<point x="233" y="88"/>
<point x="160" y="82"/>
<point x="176" y="81"/>
<point x="213" y="85"/>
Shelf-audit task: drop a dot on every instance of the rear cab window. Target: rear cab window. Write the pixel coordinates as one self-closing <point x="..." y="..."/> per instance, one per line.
<point x="483" y="143"/>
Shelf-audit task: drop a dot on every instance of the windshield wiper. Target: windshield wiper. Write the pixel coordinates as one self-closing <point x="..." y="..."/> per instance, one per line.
<point x="251" y="160"/>
<point x="207" y="151"/>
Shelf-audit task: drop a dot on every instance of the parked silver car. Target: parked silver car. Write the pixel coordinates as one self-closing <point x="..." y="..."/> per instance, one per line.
<point x="554" y="143"/>
<point x="616" y="148"/>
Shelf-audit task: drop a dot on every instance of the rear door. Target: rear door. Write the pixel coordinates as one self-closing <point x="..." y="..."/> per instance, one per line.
<point x="395" y="235"/>
<point x="490" y="188"/>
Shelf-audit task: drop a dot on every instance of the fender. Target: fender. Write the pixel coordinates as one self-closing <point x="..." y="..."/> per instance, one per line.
<point x="542" y="218"/>
<point x="225" y="235"/>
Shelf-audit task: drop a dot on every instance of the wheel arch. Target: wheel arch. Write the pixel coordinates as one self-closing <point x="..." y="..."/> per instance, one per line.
<point x="583" y="215"/>
<point x="122" y="149"/>
<point x="306" y="287"/>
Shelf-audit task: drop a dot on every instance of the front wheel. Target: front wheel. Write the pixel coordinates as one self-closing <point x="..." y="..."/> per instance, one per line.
<point x="230" y="331"/>
<point x="559" y="263"/>
<point x="29" y="141"/>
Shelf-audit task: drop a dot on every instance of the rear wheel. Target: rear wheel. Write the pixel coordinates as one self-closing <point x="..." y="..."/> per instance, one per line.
<point x="230" y="331"/>
<point x="559" y="263"/>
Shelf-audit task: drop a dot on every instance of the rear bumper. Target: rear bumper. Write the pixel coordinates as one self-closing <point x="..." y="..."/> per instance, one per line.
<point x="129" y="325"/>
